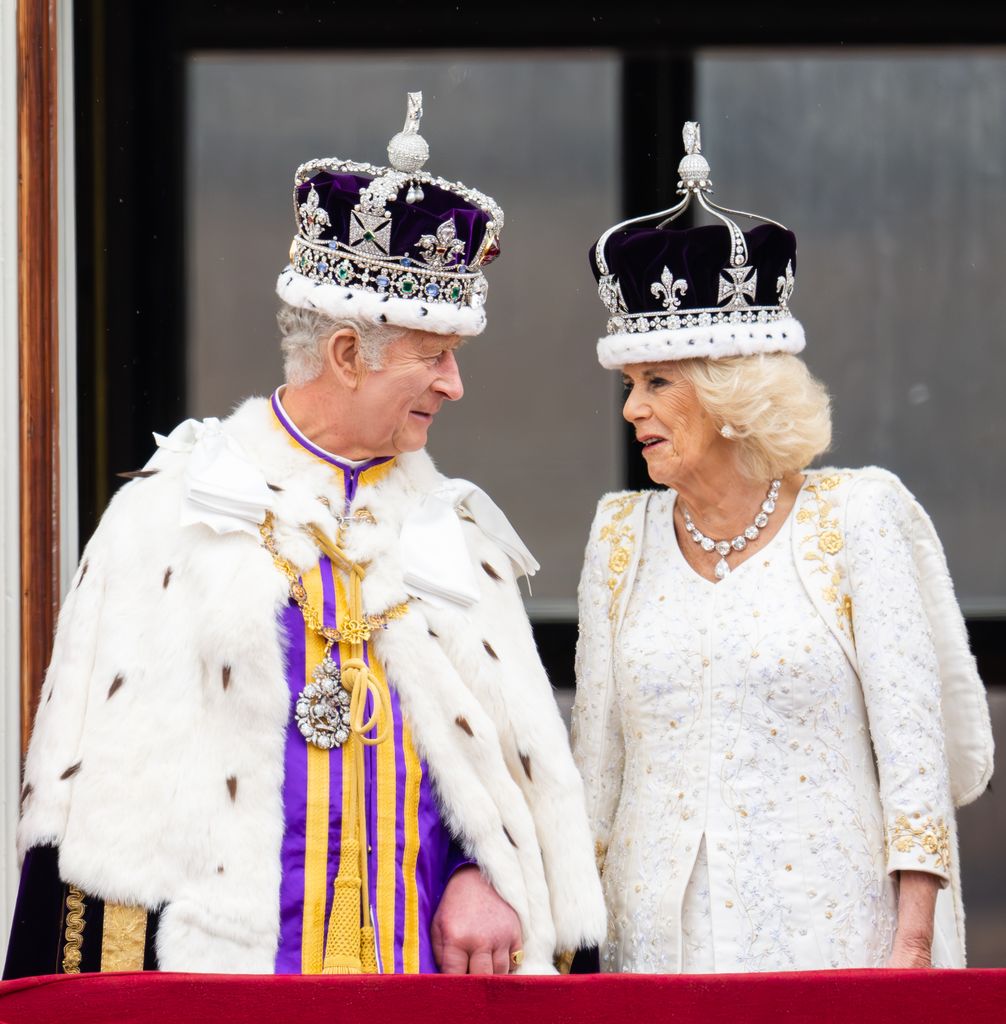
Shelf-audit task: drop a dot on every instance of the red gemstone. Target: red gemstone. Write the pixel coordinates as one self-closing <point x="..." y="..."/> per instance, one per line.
<point x="490" y="254"/>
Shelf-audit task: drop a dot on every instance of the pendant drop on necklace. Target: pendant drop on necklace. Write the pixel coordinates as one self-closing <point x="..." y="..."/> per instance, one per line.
<point x="740" y="542"/>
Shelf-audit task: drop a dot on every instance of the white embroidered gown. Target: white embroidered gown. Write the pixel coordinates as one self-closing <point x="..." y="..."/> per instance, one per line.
<point x="749" y="830"/>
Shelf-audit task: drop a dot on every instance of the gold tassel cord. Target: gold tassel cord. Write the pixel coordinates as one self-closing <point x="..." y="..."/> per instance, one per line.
<point x="350" y="946"/>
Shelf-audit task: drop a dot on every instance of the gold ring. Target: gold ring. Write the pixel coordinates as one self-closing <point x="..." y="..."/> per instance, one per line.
<point x="517" y="957"/>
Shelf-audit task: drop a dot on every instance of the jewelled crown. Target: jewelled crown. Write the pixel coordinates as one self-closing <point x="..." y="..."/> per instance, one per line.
<point x="711" y="291"/>
<point x="392" y="244"/>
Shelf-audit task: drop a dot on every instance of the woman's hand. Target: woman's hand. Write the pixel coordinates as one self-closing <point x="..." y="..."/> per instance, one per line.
<point x="910" y="953"/>
<point x="913" y="942"/>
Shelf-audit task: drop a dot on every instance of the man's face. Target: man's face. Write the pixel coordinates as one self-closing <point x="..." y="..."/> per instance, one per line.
<point x="398" y="402"/>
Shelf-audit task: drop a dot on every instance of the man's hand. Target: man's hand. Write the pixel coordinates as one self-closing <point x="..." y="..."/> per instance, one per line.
<point x="474" y="931"/>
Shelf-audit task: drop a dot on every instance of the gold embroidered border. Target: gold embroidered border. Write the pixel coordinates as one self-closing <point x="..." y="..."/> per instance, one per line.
<point x="123" y="937"/>
<point x="600" y="853"/>
<point x="74" y="932"/>
<point x="621" y="537"/>
<point x="930" y="837"/>
<point x="828" y="542"/>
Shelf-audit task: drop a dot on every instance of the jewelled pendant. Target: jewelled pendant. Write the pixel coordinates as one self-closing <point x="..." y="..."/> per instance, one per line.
<point x="722" y="569"/>
<point x="322" y="708"/>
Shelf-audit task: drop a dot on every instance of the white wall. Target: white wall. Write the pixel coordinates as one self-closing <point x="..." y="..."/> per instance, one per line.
<point x="10" y="720"/>
<point x="9" y="574"/>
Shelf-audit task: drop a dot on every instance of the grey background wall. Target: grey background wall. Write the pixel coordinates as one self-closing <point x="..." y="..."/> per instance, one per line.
<point x="889" y="166"/>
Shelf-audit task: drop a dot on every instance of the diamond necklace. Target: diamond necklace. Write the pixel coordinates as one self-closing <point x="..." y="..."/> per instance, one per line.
<point x="740" y="542"/>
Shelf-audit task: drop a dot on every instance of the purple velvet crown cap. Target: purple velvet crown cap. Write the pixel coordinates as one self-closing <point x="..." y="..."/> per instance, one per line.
<point x="339" y="193"/>
<point x="391" y="245"/>
<point x="698" y="256"/>
<point x="699" y="293"/>
<point x="676" y="294"/>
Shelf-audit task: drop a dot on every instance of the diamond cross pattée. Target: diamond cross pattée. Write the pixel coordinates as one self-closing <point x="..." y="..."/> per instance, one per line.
<point x="740" y="290"/>
<point x="370" y="232"/>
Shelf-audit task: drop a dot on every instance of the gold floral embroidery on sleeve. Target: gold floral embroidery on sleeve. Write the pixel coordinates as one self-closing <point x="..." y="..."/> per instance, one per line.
<point x="621" y="538"/>
<point x="927" y="836"/>
<point x="826" y="542"/>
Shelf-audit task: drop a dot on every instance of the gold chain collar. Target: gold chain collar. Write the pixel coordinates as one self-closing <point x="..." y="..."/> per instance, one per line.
<point x="357" y="628"/>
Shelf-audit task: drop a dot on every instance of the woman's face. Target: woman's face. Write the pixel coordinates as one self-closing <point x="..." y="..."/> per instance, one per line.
<point x="676" y="433"/>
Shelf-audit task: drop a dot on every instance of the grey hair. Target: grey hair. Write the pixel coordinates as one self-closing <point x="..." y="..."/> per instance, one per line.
<point x="304" y="332"/>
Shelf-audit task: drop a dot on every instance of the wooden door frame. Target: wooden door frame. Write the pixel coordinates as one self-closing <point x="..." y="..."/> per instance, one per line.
<point x="38" y="343"/>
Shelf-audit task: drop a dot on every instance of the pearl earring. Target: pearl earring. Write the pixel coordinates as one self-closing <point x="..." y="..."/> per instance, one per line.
<point x="727" y="431"/>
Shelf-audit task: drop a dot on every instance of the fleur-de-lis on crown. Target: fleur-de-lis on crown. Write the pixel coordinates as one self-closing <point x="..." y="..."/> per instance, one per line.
<point x="785" y="285"/>
<point x="443" y="248"/>
<point x="313" y="216"/>
<point x="672" y="290"/>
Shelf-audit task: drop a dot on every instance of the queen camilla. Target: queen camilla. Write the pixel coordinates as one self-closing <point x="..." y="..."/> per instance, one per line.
<point x="777" y="710"/>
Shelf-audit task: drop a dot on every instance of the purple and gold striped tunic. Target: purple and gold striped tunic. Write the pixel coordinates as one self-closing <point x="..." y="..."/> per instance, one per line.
<point x="411" y="854"/>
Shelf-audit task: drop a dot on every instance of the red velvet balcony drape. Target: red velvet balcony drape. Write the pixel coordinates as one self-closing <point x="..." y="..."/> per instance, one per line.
<point x="813" y="997"/>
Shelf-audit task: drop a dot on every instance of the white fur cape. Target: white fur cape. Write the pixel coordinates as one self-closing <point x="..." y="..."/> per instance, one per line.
<point x="156" y="762"/>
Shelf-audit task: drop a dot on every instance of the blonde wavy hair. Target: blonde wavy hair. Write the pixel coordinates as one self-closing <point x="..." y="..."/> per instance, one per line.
<point x="779" y="412"/>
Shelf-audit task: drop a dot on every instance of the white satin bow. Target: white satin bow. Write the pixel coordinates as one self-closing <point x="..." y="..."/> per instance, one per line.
<point x="222" y="487"/>
<point x="435" y="561"/>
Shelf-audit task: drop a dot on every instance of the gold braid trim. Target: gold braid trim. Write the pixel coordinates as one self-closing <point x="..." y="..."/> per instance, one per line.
<point x="74" y="930"/>
<point x="827" y="542"/>
<point x="621" y="537"/>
